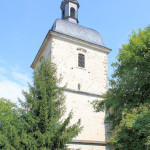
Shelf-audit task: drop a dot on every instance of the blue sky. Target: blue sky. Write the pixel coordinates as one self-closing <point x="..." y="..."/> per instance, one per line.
<point x="25" y="23"/>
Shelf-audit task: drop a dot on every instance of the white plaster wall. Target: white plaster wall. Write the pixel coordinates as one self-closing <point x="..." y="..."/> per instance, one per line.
<point x="92" y="78"/>
<point x="92" y="122"/>
<point x="86" y="147"/>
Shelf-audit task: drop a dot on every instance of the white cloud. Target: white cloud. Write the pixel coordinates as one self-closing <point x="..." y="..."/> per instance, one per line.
<point x="22" y="78"/>
<point x="11" y="90"/>
<point x="12" y="82"/>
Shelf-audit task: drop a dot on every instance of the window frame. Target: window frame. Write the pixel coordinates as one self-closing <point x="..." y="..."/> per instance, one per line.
<point x="81" y="60"/>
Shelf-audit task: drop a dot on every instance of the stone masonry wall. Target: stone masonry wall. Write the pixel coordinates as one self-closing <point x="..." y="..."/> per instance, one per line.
<point x="92" y="78"/>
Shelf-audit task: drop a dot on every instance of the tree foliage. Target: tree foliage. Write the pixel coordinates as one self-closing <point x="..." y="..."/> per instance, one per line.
<point x="39" y="124"/>
<point x="133" y="131"/>
<point x="45" y="109"/>
<point x="10" y="126"/>
<point x="130" y="89"/>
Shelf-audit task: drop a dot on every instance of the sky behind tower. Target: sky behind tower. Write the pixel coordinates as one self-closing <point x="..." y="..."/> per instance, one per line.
<point x="25" y="23"/>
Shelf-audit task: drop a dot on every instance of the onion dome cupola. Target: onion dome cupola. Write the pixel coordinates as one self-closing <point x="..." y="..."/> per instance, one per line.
<point x="70" y="10"/>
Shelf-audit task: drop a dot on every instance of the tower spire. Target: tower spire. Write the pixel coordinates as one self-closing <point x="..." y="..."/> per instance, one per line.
<point x="70" y="10"/>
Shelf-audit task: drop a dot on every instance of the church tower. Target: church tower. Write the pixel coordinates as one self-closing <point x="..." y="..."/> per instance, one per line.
<point x="81" y="58"/>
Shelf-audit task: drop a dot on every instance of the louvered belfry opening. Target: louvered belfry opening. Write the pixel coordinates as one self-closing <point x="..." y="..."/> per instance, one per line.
<point x="81" y="60"/>
<point x="63" y="14"/>
<point x="72" y="11"/>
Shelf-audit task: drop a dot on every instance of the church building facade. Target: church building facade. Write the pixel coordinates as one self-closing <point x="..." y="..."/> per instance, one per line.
<point x="81" y="60"/>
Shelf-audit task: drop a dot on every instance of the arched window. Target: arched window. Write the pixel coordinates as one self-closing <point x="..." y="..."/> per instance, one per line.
<point x="63" y="14"/>
<point x="72" y="12"/>
<point x="81" y="60"/>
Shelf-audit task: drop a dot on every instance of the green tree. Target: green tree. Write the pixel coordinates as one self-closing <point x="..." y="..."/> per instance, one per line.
<point x="45" y="127"/>
<point x="133" y="132"/>
<point x="11" y="126"/>
<point x="130" y="89"/>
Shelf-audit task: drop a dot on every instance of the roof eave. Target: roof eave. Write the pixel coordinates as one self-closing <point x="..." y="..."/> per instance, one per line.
<point x="51" y="32"/>
<point x="68" y="37"/>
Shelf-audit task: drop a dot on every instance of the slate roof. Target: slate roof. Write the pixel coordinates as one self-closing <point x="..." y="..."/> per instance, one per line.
<point x="77" y="31"/>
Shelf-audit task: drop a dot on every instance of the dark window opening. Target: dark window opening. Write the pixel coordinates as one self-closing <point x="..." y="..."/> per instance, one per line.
<point x="63" y="14"/>
<point x="79" y="86"/>
<point x="72" y="12"/>
<point x="81" y="60"/>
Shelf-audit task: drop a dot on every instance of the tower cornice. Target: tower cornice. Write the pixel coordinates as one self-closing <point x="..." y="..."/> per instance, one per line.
<point x="80" y="41"/>
<point x="68" y="38"/>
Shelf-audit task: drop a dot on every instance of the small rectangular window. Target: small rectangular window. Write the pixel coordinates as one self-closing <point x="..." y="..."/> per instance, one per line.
<point x="79" y="86"/>
<point x="81" y="60"/>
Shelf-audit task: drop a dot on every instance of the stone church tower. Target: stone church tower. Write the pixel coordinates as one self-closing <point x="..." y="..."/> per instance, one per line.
<point x="81" y="59"/>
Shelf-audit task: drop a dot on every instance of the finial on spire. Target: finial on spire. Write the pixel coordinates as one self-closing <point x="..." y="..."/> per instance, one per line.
<point x="70" y="10"/>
